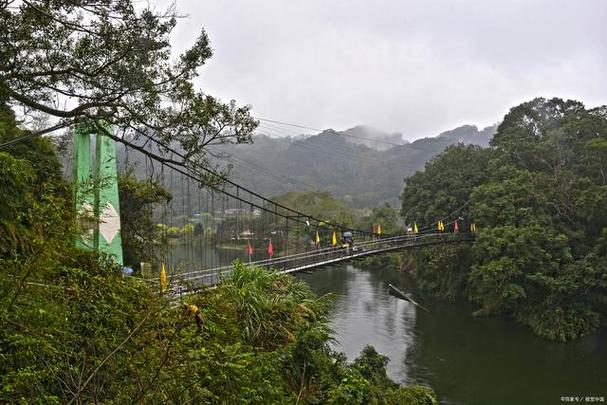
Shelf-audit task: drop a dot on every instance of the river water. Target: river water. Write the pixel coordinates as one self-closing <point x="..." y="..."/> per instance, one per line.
<point x="465" y="359"/>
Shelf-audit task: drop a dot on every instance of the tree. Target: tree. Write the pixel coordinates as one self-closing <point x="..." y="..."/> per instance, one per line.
<point x="442" y="191"/>
<point x="384" y="215"/>
<point x="538" y="198"/>
<point x="140" y="237"/>
<point x="95" y="61"/>
<point x="319" y="204"/>
<point x="445" y="184"/>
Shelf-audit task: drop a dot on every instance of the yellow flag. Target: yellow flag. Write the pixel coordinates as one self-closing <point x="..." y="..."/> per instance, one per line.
<point x="163" y="279"/>
<point x="317" y="238"/>
<point x="438" y="225"/>
<point x="334" y="239"/>
<point x="415" y="230"/>
<point x="379" y="229"/>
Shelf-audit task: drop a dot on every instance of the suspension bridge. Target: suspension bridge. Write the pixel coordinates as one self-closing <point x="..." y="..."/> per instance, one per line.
<point x="211" y="221"/>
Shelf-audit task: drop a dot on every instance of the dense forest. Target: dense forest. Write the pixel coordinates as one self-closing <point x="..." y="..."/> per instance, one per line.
<point x="538" y="195"/>
<point x="74" y="329"/>
<point x="347" y="164"/>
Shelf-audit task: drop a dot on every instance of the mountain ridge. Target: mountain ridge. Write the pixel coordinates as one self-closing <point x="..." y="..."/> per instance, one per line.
<point x="342" y="162"/>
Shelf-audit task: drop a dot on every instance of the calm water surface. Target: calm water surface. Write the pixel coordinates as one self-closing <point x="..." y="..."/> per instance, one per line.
<point x="466" y="360"/>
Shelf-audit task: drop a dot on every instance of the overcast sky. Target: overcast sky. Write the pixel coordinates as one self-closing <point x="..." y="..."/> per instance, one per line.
<point x="416" y="67"/>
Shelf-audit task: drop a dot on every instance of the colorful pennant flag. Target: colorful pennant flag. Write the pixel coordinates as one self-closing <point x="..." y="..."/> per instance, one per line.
<point x="379" y="229"/>
<point x="333" y="239"/>
<point x="473" y="227"/>
<point x="163" y="278"/>
<point x="415" y="230"/>
<point x="455" y="226"/>
<point x="317" y="240"/>
<point x="270" y="249"/>
<point x="441" y="225"/>
<point x="249" y="249"/>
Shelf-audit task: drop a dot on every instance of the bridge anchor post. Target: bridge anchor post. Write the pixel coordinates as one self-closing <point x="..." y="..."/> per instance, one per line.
<point x="96" y="200"/>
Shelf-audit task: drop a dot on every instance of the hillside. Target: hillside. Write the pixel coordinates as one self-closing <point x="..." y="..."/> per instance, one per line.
<point x="363" y="166"/>
<point x="343" y="163"/>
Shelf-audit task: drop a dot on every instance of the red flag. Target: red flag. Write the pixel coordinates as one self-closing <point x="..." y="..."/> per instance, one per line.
<point x="270" y="249"/>
<point x="455" y="227"/>
<point x="249" y="248"/>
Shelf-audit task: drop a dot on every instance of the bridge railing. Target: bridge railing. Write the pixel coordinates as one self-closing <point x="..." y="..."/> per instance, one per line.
<point x="309" y="259"/>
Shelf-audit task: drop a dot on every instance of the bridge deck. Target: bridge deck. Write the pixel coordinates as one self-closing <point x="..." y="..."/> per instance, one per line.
<point x="189" y="281"/>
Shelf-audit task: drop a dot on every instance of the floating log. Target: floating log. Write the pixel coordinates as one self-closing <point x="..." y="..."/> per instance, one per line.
<point x="407" y="297"/>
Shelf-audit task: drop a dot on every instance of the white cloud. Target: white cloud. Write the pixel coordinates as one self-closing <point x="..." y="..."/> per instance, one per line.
<point x="417" y="67"/>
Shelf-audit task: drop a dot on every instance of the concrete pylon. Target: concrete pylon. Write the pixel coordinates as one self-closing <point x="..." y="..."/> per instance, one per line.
<point x="84" y="196"/>
<point x="97" y="204"/>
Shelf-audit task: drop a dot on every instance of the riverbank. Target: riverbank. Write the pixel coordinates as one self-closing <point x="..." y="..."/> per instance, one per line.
<point x="465" y="359"/>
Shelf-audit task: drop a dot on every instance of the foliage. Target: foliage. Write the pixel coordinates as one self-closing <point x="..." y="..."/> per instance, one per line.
<point x="444" y="270"/>
<point x="15" y="182"/>
<point x="445" y="184"/>
<point x="73" y="329"/>
<point x="384" y="215"/>
<point x="538" y="197"/>
<point x="366" y="382"/>
<point x="319" y="204"/>
<point x="111" y="61"/>
<point x="265" y="339"/>
<point x="140" y="236"/>
<point x="34" y="199"/>
<point x="357" y="174"/>
<point x="394" y="260"/>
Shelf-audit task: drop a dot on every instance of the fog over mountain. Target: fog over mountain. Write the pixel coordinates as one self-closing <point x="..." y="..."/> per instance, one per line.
<point x="373" y="138"/>
<point x="362" y="165"/>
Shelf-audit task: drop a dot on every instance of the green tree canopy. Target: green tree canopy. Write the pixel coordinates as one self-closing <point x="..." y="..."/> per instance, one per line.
<point x="319" y="204"/>
<point x="445" y="184"/>
<point x="110" y="60"/>
<point x="539" y="198"/>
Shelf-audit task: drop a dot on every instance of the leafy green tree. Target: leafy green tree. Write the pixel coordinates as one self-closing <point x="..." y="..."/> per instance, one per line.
<point x="444" y="188"/>
<point x="445" y="184"/>
<point x="319" y="204"/>
<point x="140" y="236"/>
<point x="444" y="270"/>
<point x="510" y="197"/>
<point x="74" y="329"/>
<point x="384" y="215"/>
<point x="111" y="61"/>
<point x="538" y="202"/>
<point x="16" y="178"/>
<point x="35" y="200"/>
<point x="595" y="160"/>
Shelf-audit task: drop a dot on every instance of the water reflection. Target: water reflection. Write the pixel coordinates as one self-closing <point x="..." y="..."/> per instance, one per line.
<point x="467" y="360"/>
<point x="364" y="313"/>
<point x="192" y="257"/>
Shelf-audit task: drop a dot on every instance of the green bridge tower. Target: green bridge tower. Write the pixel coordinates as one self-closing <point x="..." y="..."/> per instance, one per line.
<point x="96" y="200"/>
